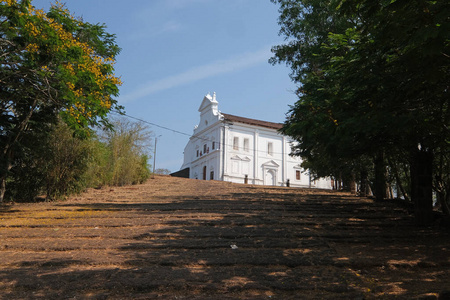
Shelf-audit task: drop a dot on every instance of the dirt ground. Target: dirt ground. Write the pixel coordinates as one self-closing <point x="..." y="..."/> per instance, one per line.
<point x="173" y="238"/>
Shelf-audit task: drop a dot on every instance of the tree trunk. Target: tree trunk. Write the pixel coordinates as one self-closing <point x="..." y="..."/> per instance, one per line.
<point x="443" y="200"/>
<point x="2" y="188"/>
<point x="352" y="184"/>
<point x="5" y="168"/>
<point x="421" y="186"/>
<point x="7" y="151"/>
<point x="398" y="180"/>
<point x="390" y="191"/>
<point x="442" y="188"/>
<point x="363" y="189"/>
<point x="380" y="177"/>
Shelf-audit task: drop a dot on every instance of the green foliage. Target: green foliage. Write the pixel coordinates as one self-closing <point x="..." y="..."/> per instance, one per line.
<point x="127" y="153"/>
<point x="162" y="171"/>
<point x="96" y="174"/>
<point x="66" y="160"/>
<point x="57" y="162"/>
<point x="51" y="165"/>
<point x="52" y="66"/>
<point x="27" y="178"/>
<point x="373" y="80"/>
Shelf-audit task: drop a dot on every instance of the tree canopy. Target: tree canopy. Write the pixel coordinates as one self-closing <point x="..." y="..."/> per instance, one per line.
<point x="52" y="65"/>
<point x="373" y="80"/>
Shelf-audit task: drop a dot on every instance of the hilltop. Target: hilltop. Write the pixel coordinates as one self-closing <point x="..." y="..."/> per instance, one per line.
<point x="176" y="238"/>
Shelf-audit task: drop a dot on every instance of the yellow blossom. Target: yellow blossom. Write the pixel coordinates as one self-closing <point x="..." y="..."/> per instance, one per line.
<point x="32" y="48"/>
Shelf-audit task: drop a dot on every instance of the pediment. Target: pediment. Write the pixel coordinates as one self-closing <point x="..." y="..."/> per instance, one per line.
<point x="237" y="157"/>
<point x="271" y="163"/>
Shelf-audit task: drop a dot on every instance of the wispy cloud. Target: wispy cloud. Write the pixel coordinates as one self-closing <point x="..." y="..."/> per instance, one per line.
<point x="157" y="18"/>
<point x="180" y="4"/>
<point x="151" y="30"/>
<point x="215" y="68"/>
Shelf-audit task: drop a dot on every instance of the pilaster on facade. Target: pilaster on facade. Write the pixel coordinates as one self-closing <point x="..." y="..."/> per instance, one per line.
<point x="226" y="147"/>
<point x="256" y="156"/>
<point x="284" y="160"/>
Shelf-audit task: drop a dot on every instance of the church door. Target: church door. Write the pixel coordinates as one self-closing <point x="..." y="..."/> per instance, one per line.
<point x="271" y="177"/>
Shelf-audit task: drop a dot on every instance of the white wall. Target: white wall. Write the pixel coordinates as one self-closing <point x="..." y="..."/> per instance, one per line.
<point x="252" y="161"/>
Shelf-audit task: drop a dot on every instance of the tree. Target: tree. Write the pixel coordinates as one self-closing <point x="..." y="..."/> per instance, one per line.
<point x="52" y="65"/>
<point x="374" y="78"/>
<point x="316" y="120"/>
<point x="53" y="164"/>
<point x="162" y="171"/>
<point x="128" y="147"/>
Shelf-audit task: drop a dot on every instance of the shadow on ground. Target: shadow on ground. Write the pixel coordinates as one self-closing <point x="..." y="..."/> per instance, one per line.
<point x="268" y="244"/>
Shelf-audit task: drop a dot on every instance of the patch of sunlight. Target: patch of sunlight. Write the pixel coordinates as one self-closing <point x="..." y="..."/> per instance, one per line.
<point x="342" y="259"/>
<point x="40" y="218"/>
<point x="403" y="262"/>
<point x="197" y="269"/>
<point x="277" y="274"/>
<point x="296" y="251"/>
<point x="237" y="281"/>
<point x="395" y="289"/>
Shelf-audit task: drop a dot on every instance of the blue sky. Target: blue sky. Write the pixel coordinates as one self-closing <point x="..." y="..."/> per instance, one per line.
<point x="176" y="51"/>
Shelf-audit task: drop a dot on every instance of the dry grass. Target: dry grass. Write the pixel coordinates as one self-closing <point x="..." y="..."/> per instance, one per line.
<point x="175" y="238"/>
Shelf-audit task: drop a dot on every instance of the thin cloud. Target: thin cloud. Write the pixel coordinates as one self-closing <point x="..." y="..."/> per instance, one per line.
<point x="180" y="4"/>
<point x="219" y="67"/>
<point x="151" y="20"/>
<point x="157" y="30"/>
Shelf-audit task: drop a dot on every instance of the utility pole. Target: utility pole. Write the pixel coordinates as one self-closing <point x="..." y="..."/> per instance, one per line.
<point x="154" y="156"/>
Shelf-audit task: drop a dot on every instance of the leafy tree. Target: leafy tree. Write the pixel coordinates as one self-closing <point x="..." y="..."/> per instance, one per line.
<point x="162" y="171"/>
<point x="374" y="77"/>
<point x="60" y="163"/>
<point x="65" y="162"/>
<point x="52" y="65"/>
<point x="128" y="147"/>
<point x="54" y="166"/>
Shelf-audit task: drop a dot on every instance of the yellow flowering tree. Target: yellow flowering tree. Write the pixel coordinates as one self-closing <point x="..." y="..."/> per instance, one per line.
<point x="52" y="65"/>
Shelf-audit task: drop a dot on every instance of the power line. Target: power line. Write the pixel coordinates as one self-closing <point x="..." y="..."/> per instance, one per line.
<point x="153" y="124"/>
<point x="184" y="133"/>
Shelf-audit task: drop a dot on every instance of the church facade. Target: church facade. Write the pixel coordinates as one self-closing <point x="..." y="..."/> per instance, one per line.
<point x="242" y="150"/>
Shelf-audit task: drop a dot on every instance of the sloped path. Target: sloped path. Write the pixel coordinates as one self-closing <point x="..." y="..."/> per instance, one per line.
<point x="175" y="238"/>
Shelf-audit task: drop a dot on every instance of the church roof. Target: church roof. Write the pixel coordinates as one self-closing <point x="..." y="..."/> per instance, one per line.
<point x="232" y="118"/>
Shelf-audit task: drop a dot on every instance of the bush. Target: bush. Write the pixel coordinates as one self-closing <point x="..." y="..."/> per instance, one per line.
<point x="126" y="153"/>
<point x="55" y="162"/>
<point x="49" y="163"/>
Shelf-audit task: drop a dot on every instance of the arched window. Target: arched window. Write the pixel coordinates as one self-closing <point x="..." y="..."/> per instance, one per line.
<point x="204" y="173"/>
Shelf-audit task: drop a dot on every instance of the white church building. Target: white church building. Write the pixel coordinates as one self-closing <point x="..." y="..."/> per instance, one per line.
<point x="242" y="150"/>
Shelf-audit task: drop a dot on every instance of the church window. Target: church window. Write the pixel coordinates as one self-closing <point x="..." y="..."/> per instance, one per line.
<point x="297" y="175"/>
<point x="213" y="145"/>
<point x="246" y="145"/>
<point x="204" y="148"/>
<point x="198" y="153"/>
<point x="211" y="177"/>
<point x="270" y="148"/>
<point x="204" y="173"/>
<point x="236" y="143"/>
